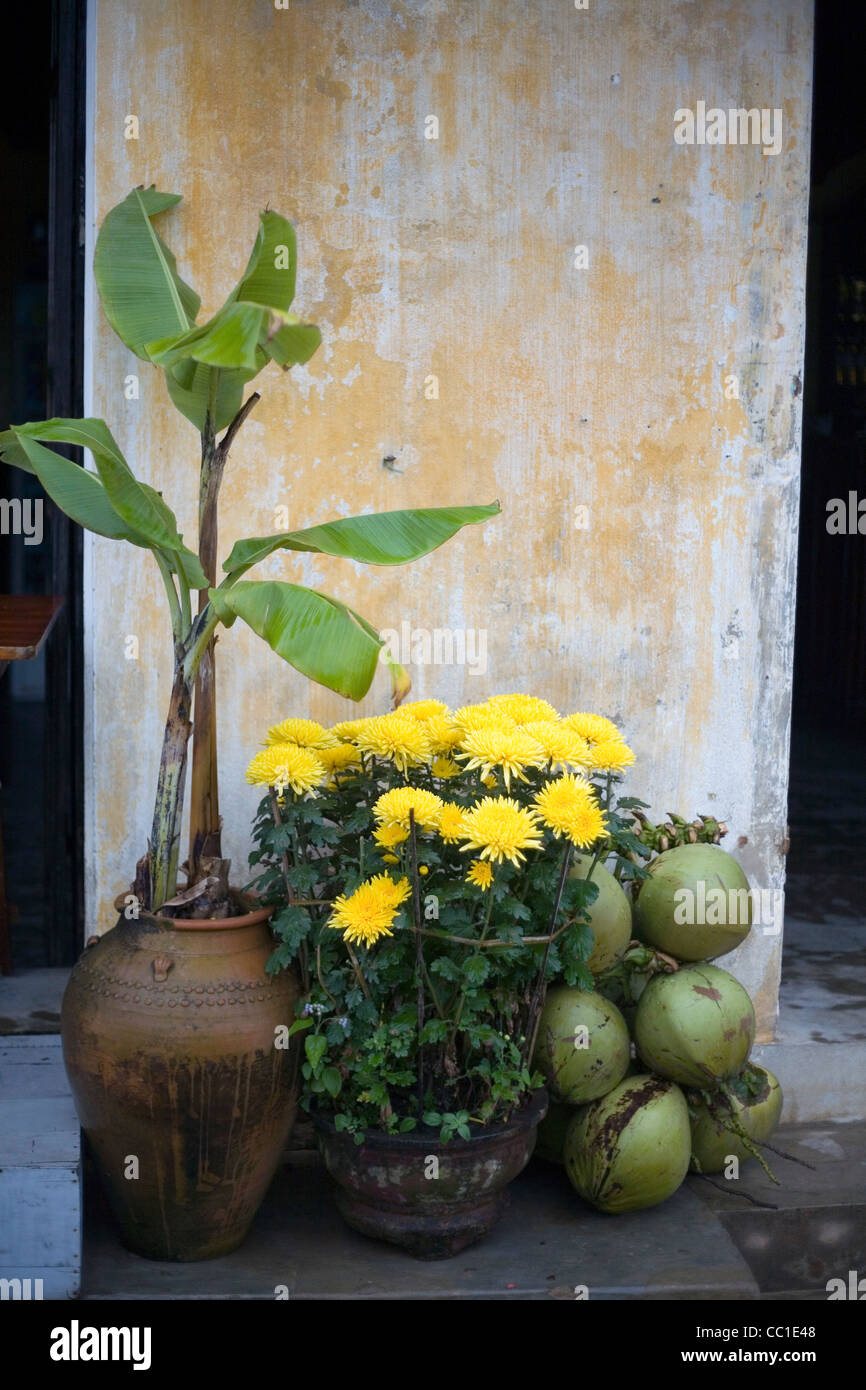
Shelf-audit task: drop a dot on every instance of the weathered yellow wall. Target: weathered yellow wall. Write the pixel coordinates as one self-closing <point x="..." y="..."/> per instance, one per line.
<point x="558" y="387"/>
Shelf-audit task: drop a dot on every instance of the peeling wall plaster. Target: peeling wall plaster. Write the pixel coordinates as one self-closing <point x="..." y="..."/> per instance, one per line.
<point x="673" y="612"/>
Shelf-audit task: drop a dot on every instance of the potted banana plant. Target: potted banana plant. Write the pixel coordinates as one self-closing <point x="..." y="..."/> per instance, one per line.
<point x="176" y="1040"/>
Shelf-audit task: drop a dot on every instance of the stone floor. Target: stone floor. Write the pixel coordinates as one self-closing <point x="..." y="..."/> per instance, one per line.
<point x="712" y="1240"/>
<point x="30" y="1000"/>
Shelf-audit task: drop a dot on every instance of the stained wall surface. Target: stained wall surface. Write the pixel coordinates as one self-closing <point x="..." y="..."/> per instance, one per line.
<point x="635" y="406"/>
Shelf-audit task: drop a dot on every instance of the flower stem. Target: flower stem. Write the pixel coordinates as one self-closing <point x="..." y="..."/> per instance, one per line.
<point x="484" y="930"/>
<point x="303" y="955"/>
<point x="357" y="968"/>
<point x="534" y="1014"/>
<point x="419" y="956"/>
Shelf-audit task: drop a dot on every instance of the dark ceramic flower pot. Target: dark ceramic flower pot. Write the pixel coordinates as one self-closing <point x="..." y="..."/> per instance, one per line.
<point x="169" y="1033"/>
<point x="433" y="1199"/>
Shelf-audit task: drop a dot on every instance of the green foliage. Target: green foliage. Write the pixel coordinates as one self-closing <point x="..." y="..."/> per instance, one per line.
<point x="370" y="1065"/>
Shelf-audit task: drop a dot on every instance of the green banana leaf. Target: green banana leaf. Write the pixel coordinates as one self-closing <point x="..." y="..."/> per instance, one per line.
<point x="264" y="281"/>
<point x="288" y="340"/>
<point x="142" y="293"/>
<point x="192" y="396"/>
<point x="318" y="635"/>
<point x="388" y="538"/>
<point x="12" y="453"/>
<point x="146" y="300"/>
<point x="74" y="490"/>
<point x="235" y="339"/>
<point x="140" y="514"/>
<point x="229" y="339"/>
<point x="254" y="324"/>
<point x="153" y="310"/>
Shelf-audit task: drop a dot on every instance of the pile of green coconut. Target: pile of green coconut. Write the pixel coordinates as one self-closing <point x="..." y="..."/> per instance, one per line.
<point x="649" y="1073"/>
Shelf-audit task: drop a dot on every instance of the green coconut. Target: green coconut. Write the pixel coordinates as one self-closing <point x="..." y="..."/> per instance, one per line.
<point x="695" y="1027"/>
<point x="582" y="1048"/>
<point x="550" y="1135"/>
<point x="757" y="1106"/>
<point x="609" y="916"/>
<point x="696" y="903"/>
<point x="631" y="1149"/>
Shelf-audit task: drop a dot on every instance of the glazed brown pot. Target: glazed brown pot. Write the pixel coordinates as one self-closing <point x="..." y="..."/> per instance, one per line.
<point x="389" y="1188"/>
<point x="170" y="1033"/>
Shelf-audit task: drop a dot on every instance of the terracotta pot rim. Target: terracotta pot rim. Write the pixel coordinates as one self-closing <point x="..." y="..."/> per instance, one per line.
<point x="246" y="919"/>
<point x="527" y="1117"/>
<point x="249" y="919"/>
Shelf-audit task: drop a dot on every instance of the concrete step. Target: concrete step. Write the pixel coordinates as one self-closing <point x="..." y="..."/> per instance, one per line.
<point x="40" y="1172"/>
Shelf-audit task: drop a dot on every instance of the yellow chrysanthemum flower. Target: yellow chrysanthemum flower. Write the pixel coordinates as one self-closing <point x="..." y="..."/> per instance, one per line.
<point x="559" y="743"/>
<point x="569" y="806"/>
<point x="393" y="807"/>
<point x="522" y="708"/>
<point x="475" y="716"/>
<point x="348" y="729"/>
<point x="399" y="738"/>
<point x="611" y="755"/>
<point x="305" y="732"/>
<point x="369" y="912"/>
<point x="480" y="873"/>
<point x="424" y="709"/>
<point x="502" y="747"/>
<point x="286" y="765"/>
<point x="387" y="836"/>
<point x="339" y="757"/>
<point x="489" y="780"/>
<point x="593" y="727"/>
<point x="500" y="828"/>
<point x="450" y="822"/>
<point x="445" y="767"/>
<point x="443" y="733"/>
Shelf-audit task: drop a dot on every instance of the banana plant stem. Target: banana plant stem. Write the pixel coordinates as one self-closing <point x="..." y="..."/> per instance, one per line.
<point x="204" y="821"/>
<point x="168" y="805"/>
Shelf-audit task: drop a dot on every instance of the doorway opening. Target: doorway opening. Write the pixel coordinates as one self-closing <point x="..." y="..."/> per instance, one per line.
<point x="41" y="297"/>
<point x="825" y="935"/>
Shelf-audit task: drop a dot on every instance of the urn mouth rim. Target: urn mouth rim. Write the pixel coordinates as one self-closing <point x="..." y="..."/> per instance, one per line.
<point x="252" y="917"/>
<point x="248" y="919"/>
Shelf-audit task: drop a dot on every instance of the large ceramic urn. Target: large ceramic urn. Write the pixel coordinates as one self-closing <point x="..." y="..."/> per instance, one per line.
<point x="174" y="1038"/>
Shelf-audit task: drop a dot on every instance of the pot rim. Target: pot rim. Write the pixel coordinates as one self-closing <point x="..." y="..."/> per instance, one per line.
<point x="249" y="919"/>
<point x="246" y="919"/>
<point x="527" y="1117"/>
